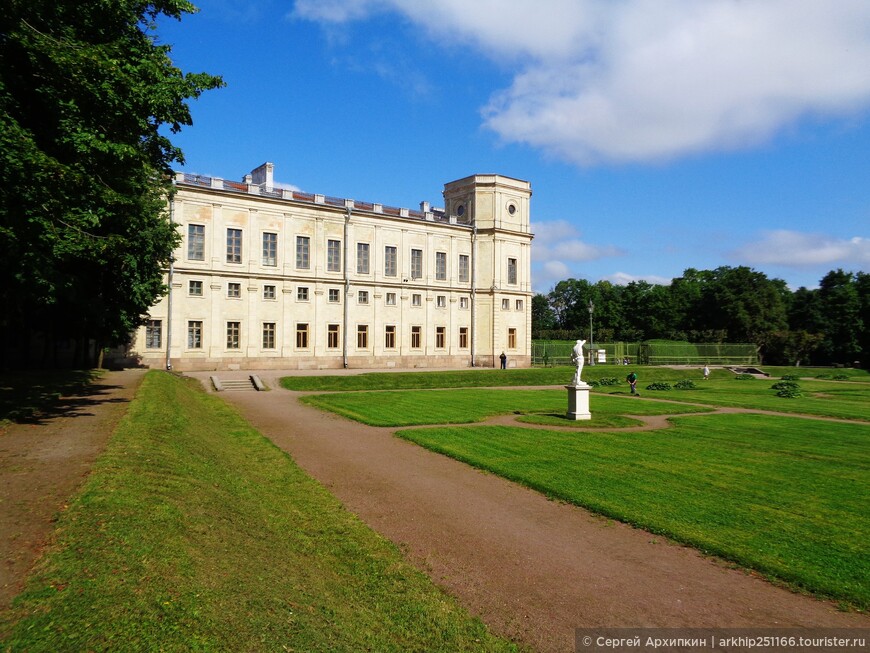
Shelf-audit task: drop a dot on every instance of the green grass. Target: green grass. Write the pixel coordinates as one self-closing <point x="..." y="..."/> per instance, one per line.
<point x="463" y="406"/>
<point x="28" y="395"/>
<point x="194" y="533"/>
<point x="777" y="494"/>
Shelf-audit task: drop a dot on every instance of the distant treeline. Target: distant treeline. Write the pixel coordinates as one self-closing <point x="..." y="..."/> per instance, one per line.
<point x="828" y="325"/>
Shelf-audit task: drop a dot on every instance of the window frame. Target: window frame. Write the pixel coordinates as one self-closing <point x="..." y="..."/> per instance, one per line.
<point x="270" y="248"/>
<point x="363" y="258"/>
<point x="391" y="261"/>
<point x="235" y="239"/>
<point x="234" y="290"/>
<point x="154" y="328"/>
<point x="416" y="263"/>
<point x="464" y="268"/>
<point x="194" y="284"/>
<point x="441" y="266"/>
<point x="333" y="255"/>
<point x="512" y="271"/>
<point x="389" y="336"/>
<point x="302" y="335"/>
<point x="194" y="334"/>
<point x="234" y="334"/>
<point x="195" y="242"/>
<point x="303" y="252"/>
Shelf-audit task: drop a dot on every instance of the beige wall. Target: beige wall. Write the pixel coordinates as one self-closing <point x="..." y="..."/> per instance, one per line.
<point x="490" y="309"/>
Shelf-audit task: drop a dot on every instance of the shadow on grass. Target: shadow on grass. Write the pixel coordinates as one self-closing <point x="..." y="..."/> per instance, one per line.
<point x="39" y="397"/>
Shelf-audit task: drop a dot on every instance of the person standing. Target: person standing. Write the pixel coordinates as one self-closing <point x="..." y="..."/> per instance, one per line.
<point x="632" y="382"/>
<point x="706" y="372"/>
<point x="503" y="359"/>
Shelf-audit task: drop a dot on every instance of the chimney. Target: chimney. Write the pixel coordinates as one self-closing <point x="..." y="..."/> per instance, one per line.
<point x="264" y="175"/>
<point x="424" y="207"/>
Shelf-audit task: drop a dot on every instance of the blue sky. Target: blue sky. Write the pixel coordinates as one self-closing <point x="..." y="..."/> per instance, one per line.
<point x="657" y="135"/>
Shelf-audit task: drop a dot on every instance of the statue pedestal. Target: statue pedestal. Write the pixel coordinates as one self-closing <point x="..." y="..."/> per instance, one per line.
<point x="578" y="401"/>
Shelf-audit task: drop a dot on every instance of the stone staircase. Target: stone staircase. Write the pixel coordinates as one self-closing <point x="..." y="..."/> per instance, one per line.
<point x="249" y="384"/>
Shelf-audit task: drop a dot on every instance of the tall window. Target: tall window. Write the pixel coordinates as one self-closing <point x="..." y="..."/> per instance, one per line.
<point x="234" y="330"/>
<point x="441" y="301"/>
<point x="362" y="258"/>
<point x="440" y="337"/>
<point x="196" y="242"/>
<point x="302" y="335"/>
<point x="441" y="266"/>
<point x="234" y="289"/>
<point x="505" y="304"/>
<point x="512" y="270"/>
<point x="390" y="337"/>
<point x="234" y="245"/>
<point x="391" y="299"/>
<point x="153" y="334"/>
<point x="332" y="336"/>
<point x="268" y="335"/>
<point x="194" y="334"/>
<point x="463" y="337"/>
<point x="390" y="261"/>
<point x="519" y="304"/>
<point x="464" y="275"/>
<point x="463" y="302"/>
<point x="194" y="288"/>
<point x="270" y="248"/>
<point x="416" y="337"/>
<point x="303" y="252"/>
<point x="416" y="299"/>
<point x="362" y="336"/>
<point x="512" y="338"/>
<point x="416" y="263"/>
<point x="333" y="255"/>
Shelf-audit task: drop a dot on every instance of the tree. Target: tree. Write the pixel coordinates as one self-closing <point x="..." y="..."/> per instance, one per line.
<point x="543" y="316"/>
<point x="85" y="90"/>
<point x="840" y="313"/>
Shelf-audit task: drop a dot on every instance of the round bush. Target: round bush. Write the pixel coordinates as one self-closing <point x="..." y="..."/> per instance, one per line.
<point x="785" y="385"/>
<point x="841" y="377"/>
<point x="685" y="384"/>
<point x="789" y="393"/>
<point x="659" y="385"/>
<point x="608" y="380"/>
<point x="823" y="376"/>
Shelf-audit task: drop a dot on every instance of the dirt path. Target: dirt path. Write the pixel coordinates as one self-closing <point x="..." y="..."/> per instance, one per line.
<point x="532" y="569"/>
<point x="44" y="461"/>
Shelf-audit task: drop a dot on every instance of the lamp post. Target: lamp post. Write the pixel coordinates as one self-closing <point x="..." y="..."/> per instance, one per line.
<point x="591" y="340"/>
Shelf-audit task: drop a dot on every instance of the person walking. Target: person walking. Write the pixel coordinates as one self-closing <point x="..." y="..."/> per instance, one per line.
<point x="706" y="372"/>
<point x="632" y="382"/>
<point x="503" y="359"/>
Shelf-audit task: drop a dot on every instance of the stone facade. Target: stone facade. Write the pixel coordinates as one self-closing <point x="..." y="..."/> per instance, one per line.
<point x="267" y="277"/>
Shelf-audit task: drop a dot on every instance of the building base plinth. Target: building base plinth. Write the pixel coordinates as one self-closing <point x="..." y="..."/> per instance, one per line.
<point x="578" y="401"/>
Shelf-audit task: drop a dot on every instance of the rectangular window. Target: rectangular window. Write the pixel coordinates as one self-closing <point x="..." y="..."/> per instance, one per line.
<point x="303" y="252"/>
<point x="416" y="337"/>
<point x="302" y="294"/>
<point x="512" y="338"/>
<point x="389" y="337"/>
<point x="333" y="255"/>
<point x="441" y="301"/>
<point x="234" y="245"/>
<point x="505" y="304"/>
<point x="463" y="337"/>
<point x="332" y="336"/>
<point x="416" y="299"/>
<point x="464" y="275"/>
<point x="512" y="271"/>
<point x="302" y="335"/>
<point x="463" y="302"/>
<point x="194" y="288"/>
<point x="391" y="299"/>
<point x="519" y="304"/>
<point x="440" y="337"/>
<point x="234" y="330"/>
<point x="196" y="242"/>
<point x="234" y="289"/>
<point x="153" y="334"/>
<point x="268" y="292"/>
<point x="416" y="263"/>
<point x="270" y="248"/>
<point x="362" y="336"/>
<point x="390" y="261"/>
<point x="362" y="258"/>
<point x="334" y="295"/>
<point x="194" y="334"/>
<point x="441" y="266"/>
<point x="268" y="335"/>
<point x="363" y="297"/>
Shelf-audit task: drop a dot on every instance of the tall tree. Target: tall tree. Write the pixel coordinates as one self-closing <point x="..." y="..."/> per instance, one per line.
<point x="543" y="316"/>
<point x="85" y="92"/>
<point x="840" y="313"/>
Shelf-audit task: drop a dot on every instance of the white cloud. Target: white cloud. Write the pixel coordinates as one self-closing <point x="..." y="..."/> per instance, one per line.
<point x="797" y="250"/>
<point x="623" y="279"/>
<point x="638" y="80"/>
<point x="559" y="241"/>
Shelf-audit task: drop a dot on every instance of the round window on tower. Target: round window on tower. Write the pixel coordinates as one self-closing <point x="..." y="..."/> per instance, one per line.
<point x="512" y="208"/>
<point x="460" y="210"/>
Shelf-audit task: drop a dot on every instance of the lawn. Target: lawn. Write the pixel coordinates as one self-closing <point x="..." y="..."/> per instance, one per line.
<point x="195" y="533"/>
<point x="780" y="495"/>
<point x="419" y="407"/>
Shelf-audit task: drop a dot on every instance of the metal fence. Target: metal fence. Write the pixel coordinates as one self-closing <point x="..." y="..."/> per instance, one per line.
<point x="549" y="353"/>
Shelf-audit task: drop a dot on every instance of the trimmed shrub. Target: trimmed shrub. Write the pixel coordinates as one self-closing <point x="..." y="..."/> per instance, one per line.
<point x="785" y="385"/>
<point x="608" y="380"/>
<point x="659" y="385"/>
<point x="789" y="393"/>
<point x="841" y="377"/>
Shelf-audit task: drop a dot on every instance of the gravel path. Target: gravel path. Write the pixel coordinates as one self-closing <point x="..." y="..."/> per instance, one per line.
<point x="532" y="569"/>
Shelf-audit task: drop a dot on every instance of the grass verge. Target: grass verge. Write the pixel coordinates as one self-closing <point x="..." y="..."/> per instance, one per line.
<point x="776" y="494"/>
<point x="194" y="533"/>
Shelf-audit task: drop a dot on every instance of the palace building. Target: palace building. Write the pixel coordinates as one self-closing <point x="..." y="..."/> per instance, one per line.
<point x="272" y="278"/>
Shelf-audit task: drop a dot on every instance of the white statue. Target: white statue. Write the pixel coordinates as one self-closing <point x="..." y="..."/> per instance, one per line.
<point x="577" y="359"/>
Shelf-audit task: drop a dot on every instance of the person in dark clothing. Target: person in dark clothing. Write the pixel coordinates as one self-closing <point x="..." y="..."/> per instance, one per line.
<point x="632" y="382"/>
<point x="503" y="359"/>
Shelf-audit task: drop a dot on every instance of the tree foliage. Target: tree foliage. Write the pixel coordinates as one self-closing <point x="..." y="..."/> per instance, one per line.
<point x="827" y="325"/>
<point x="86" y="94"/>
